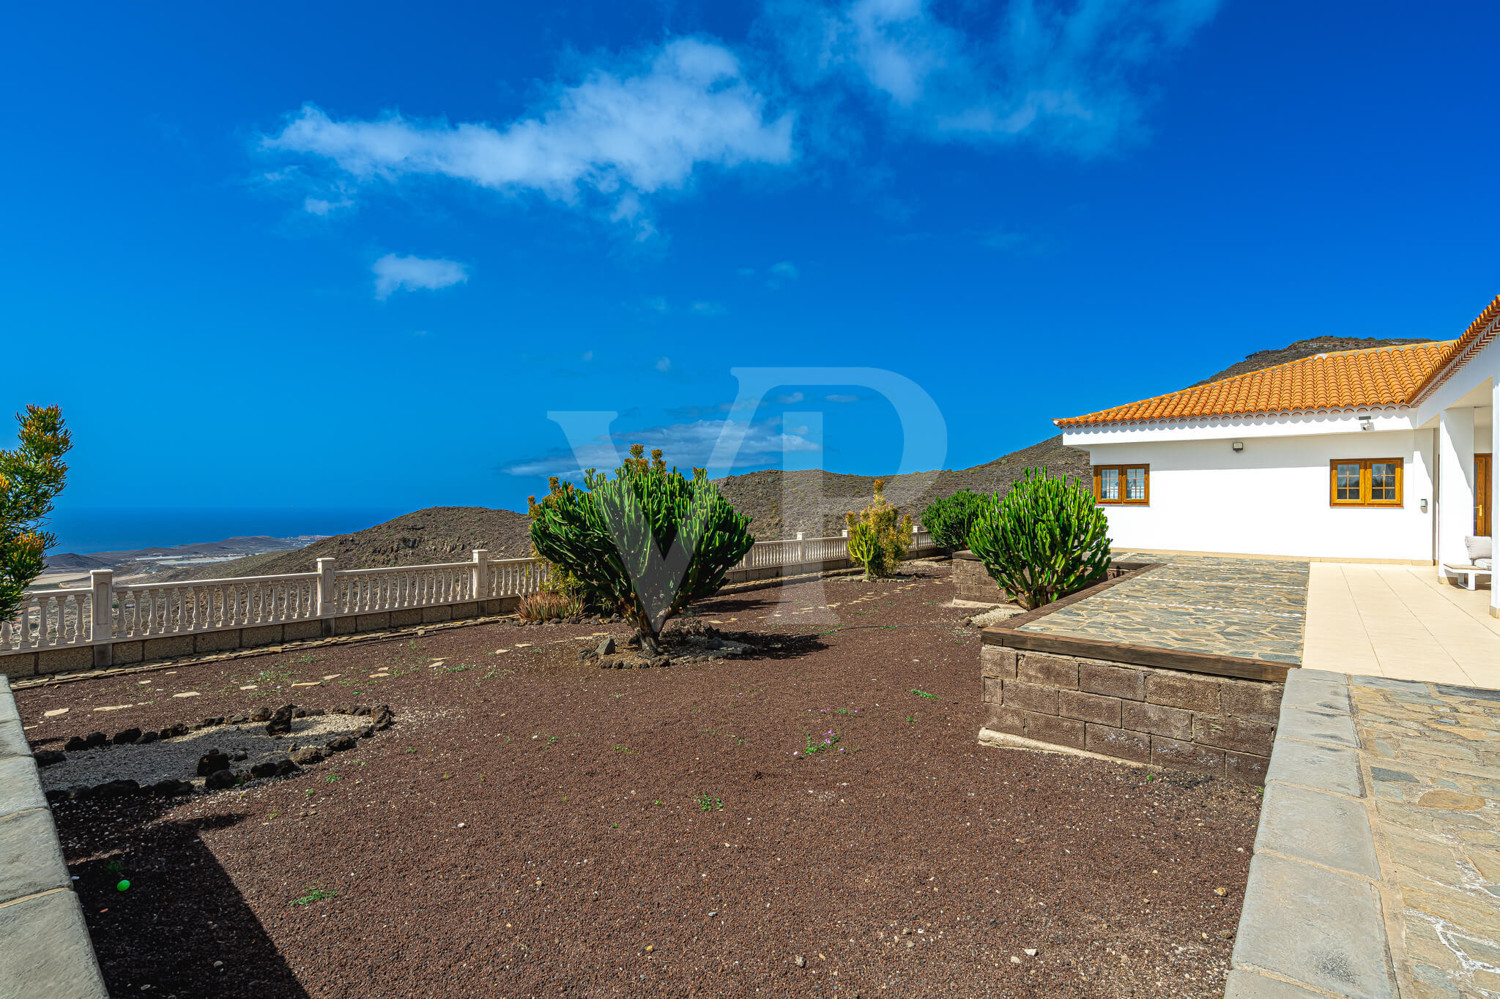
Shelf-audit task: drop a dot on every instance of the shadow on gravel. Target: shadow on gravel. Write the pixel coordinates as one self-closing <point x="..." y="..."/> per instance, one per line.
<point x="775" y="647"/>
<point x="181" y="913"/>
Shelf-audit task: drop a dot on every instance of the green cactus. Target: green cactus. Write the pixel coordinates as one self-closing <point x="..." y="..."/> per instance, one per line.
<point x="1045" y="539"/>
<point x="948" y="519"/>
<point x="645" y="543"/>
<point x="877" y="538"/>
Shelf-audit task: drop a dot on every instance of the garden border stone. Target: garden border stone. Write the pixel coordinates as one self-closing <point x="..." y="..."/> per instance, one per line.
<point x="1313" y="923"/>
<point x="44" y="943"/>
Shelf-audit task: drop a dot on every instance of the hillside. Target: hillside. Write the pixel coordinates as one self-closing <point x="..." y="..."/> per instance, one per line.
<point x="1304" y="348"/>
<point x="814" y="502"/>
<point x="436" y="534"/>
<point x="781" y="503"/>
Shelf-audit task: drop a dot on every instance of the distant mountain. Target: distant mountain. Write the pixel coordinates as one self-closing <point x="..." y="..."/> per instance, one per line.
<point x="1304" y="348"/>
<point x="71" y="562"/>
<point x="814" y="502"/>
<point x="436" y="534"/>
<point x="230" y="547"/>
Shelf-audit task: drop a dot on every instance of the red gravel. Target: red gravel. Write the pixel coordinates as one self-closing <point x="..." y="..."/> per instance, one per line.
<point x="914" y="861"/>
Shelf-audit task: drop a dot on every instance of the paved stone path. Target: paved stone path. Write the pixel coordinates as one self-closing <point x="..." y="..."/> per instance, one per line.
<point x="1432" y="752"/>
<point x="1377" y="862"/>
<point x="1251" y="608"/>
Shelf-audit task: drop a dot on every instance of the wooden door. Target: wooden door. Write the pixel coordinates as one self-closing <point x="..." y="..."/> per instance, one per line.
<point x="1484" y="500"/>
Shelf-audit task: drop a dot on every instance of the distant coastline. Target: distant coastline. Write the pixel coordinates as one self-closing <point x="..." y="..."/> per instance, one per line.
<point x="82" y="530"/>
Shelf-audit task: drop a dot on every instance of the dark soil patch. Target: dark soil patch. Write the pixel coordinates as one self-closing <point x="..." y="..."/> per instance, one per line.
<point x="535" y="825"/>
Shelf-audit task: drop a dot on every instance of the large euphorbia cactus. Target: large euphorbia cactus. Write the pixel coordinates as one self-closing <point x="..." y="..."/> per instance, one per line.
<point x="1045" y="539"/>
<point x="645" y="543"/>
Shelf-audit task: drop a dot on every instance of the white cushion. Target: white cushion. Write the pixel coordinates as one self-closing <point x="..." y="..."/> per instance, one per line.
<point x="1484" y="563"/>
<point x="1480" y="547"/>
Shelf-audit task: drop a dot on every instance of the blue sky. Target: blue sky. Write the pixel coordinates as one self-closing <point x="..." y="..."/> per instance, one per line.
<point x="352" y="256"/>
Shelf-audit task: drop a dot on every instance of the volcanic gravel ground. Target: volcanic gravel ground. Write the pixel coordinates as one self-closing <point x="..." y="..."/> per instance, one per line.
<point x="537" y="826"/>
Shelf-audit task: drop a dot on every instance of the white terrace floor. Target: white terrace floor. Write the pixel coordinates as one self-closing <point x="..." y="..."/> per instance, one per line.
<point x="1401" y="622"/>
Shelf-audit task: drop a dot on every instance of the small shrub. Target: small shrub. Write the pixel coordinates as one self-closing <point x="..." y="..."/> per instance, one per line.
<point x="1045" y="539"/>
<point x="878" y="535"/>
<point x="548" y="606"/>
<point x="645" y="543"/>
<point x="949" y="518"/>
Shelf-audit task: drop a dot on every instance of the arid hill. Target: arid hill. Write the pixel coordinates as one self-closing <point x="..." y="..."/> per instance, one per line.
<point x="781" y="503"/>
<point x="436" y="534"/>
<point x="1304" y="348"/>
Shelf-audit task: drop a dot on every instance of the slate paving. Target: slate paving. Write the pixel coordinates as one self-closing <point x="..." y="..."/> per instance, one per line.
<point x="1377" y="862"/>
<point x="1250" y="608"/>
<point x="1433" y="753"/>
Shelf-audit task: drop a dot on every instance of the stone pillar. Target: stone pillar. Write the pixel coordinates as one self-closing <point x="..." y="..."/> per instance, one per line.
<point x="328" y="605"/>
<point x="1455" y="491"/>
<point x="102" y="618"/>
<point x="480" y="583"/>
<point x="800" y="558"/>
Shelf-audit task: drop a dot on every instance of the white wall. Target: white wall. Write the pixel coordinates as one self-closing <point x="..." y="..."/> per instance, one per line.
<point x="1271" y="498"/>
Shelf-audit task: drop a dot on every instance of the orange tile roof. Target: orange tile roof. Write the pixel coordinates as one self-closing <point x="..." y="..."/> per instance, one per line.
<point x="1345" y="379"/>
<point x="1480" y="332"/>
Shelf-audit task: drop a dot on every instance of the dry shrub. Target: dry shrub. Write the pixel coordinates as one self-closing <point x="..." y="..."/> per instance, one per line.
<point x="548" y="606"/>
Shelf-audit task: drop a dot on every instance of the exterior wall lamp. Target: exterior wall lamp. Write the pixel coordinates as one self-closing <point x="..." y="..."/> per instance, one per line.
<point x="1365" y="423"/>
<point x="1238" y="446"/>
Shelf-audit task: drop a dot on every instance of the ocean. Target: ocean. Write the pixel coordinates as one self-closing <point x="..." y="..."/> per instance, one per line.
<point x="84" y="529"/>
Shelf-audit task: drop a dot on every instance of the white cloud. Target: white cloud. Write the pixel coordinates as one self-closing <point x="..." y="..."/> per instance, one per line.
<point x="613" y="136"/>
<point x="663" y="364"/>
<point x="1065" y="75"/>
<point x="785" y="269"/>
<point x="685" y="445"/>
<point x="708" y="309"/>
<point x="395" y="273"/>
<point x="842" y="398"/>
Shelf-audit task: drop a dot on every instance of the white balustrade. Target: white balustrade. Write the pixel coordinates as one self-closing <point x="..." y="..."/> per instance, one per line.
<point x="195" y="606"/>
<point x="49" y="619"/>
<point x="60" y="618"/>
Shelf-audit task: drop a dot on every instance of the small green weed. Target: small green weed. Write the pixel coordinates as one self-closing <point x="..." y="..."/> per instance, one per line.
<point x="623" y="749"/>
<point x="314" y="894"/>
<point x="923" y="693"/>
<point x="708" y="803"/>
<point x="827" y="742"/>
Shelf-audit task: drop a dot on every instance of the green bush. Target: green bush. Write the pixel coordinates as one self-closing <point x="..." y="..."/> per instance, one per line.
<point x="1045" y="539"/>
<point x="949" y="518"/>
<point x="878" y="535"/>
<point x="643" y="544"/>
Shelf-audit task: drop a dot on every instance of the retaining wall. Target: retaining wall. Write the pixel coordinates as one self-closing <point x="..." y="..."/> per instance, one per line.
<point x="972" y="581"/>
<point x="44" y="943"/>
<point x="1163" y="717"/>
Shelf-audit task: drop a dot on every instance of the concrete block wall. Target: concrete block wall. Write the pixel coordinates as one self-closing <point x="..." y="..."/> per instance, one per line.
<point x="1162" y="717"/>
<point x="44" y="943"/>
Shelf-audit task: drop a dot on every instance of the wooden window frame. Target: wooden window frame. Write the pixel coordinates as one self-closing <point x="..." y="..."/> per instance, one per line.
<point x="1119" y="472"/>
<point x="1365" y="477"/>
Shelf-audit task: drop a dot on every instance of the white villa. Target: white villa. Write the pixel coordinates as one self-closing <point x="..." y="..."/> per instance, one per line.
<point x="1383" y="454"/>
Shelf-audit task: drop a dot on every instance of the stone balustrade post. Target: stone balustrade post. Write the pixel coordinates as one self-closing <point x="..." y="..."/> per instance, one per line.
<point x="800" y="558"/>
<point x="101" y="616"/>
<point x="481" y="579"/>
<point x="328" y="605"/>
